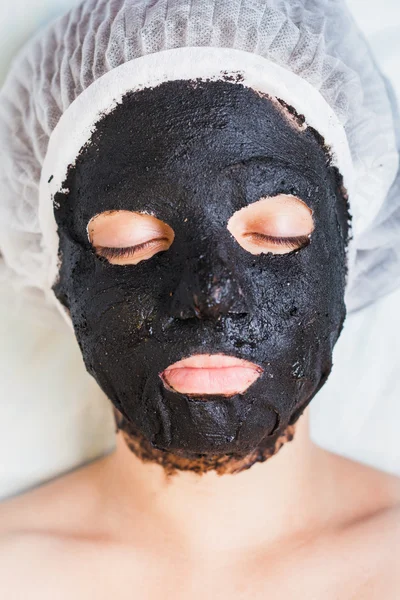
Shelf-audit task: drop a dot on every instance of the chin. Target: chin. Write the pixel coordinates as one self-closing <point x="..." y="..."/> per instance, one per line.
<point x="222" y="464"/>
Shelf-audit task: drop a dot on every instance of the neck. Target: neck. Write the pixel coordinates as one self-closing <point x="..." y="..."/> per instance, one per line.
<point x="268" y="502"/>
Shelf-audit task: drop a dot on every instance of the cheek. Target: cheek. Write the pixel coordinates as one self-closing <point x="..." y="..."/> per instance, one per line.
<point x="112" y="307"/>
<point x="287" y="286"/>
<point x="300" y="299"/>
<point x="112" y="313"/>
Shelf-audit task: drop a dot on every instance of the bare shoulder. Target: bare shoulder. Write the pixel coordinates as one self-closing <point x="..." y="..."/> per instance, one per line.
<point x="48" y="533"/>
<point x="26" y="551"/>
<point x="46" y="566"/>
<point x="370" y="548"/>
<point x="48" y="545"/>
<point x="61" y="505"/>
<point x="369" y="535"/>
<point x="33" y="550"/>
<point x="364" y="489"/>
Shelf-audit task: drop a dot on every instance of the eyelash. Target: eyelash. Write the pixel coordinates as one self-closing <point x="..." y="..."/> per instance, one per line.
<point x="107" y="252"/>
<point x="290" y="242"/>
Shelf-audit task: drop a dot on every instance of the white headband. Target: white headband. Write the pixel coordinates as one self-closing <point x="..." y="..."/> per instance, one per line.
<point x="78" y="122"/>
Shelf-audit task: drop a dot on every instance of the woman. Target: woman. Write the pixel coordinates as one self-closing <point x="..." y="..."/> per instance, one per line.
<point x="210" y="205"/>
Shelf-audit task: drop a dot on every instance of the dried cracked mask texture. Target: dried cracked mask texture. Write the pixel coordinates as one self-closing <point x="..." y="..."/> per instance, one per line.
<point x="192" y="154"/>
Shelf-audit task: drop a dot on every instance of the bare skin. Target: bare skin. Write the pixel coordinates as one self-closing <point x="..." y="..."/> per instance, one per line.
<point x="305" y="524"/>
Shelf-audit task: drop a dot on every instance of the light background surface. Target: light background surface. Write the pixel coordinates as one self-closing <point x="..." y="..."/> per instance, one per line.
<point x="48" y="428"/>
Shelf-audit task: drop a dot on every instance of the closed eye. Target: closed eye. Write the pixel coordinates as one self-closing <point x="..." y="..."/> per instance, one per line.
<point x="110" y="253"/>
<point x="274" y="224"/>
<point x="290" y="242"/>
<point x="114" y="234"/>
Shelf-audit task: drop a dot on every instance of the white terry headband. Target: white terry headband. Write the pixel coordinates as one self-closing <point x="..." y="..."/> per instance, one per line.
<point x="78" y="122"/>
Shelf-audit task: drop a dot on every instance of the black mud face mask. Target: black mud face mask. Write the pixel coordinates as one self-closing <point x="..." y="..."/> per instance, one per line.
<point x="192" y="154"/>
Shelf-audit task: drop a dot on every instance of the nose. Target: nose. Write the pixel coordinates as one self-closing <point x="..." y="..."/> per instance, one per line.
<point x="208" y="289"/>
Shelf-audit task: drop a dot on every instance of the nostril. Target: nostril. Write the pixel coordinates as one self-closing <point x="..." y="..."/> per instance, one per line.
<point x="238" y="315"/>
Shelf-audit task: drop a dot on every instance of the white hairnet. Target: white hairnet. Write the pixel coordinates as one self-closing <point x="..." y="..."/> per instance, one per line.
<point x="315" y="39"/>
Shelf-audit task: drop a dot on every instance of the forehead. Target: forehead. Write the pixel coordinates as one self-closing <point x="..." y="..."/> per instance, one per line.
<point x="200" y="136"/>
<point x="216" y="122"/>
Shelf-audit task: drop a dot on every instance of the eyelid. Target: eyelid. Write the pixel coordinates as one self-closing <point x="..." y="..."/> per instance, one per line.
<point x="115" y="252"/>
<point x="296" y="242"/>
<point x="124" y="228"/>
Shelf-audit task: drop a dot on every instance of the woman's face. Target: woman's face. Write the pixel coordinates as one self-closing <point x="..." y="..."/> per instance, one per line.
<point x="202" y="218"/>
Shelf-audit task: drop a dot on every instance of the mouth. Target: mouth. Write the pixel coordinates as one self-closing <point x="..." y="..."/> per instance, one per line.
<point x="211" y="374"/>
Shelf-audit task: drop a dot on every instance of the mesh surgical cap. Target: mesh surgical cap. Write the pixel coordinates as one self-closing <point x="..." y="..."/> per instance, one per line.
<point x="315" y="40"/>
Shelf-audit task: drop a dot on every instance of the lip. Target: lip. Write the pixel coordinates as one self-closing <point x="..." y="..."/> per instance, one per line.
<point x="211" y="374"/>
